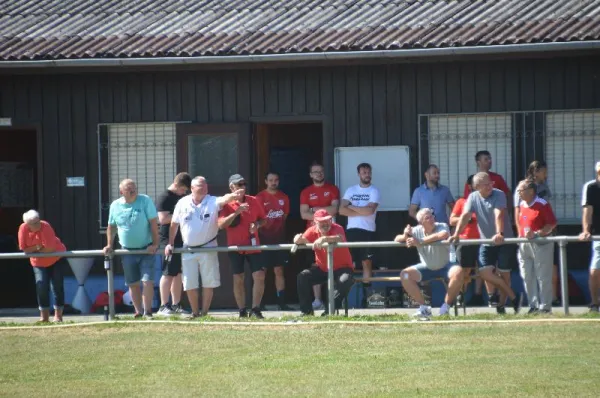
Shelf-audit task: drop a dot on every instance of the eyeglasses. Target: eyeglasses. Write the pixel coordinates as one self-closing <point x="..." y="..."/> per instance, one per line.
<point x="317" y="172"/>
<point x="240" y="184"/>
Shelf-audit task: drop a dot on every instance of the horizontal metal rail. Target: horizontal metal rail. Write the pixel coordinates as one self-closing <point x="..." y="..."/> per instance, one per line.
<point x="561" y="240"/>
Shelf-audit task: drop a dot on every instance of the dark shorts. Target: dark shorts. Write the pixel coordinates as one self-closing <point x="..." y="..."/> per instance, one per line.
<point x="173" y="267"/>
<point x="256" y="261"/>
<point x="275" y="258"/>
<point x="361" y="254"/>
<point x="468" y="256"/>
<point x="502" y="257"/>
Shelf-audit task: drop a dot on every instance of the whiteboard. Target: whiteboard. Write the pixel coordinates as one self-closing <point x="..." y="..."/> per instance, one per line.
<point x="391" y="172"/>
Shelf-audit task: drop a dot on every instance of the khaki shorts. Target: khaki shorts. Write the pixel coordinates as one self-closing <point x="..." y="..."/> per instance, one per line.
<point x="204" y="265"/>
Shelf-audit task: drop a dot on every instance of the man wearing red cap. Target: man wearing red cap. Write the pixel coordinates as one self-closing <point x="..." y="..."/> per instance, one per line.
<point x="324" y="231"/>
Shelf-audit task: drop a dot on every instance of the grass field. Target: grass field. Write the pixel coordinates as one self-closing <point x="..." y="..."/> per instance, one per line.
<point x="541" y="359"/>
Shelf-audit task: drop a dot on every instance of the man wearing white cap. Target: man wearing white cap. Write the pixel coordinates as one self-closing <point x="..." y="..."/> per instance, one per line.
<point x="590" y="222"/>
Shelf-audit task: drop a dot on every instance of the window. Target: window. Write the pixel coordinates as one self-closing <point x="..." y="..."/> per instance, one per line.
<point x="205" y="151"/>
<point x="453" y="141"/>
<point x="572" y="149"/>
<point x="142" y="152"/>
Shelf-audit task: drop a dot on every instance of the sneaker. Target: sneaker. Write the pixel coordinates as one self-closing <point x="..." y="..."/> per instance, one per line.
<point x="500" y="310"/>
<point x="307" y="313"/>
<point x="423" y="312"/>
<point x="444" y="309"/>
<point x="516" y="303"/>
<point x="137" y="315"/>
<point x="317" y="304"/>
<point x="493" y="300"/>
<point x="256" y="313"/>
<point x="533" y="311"/>
<point x="178" y="310"/>
<point x="165" y="310"/>
<point x="244" y="313"/>
<point x="545" y="311"/>
<point x="594" y="308"/>
<point x="148" y="315"/>
<point x="192" y="316"/>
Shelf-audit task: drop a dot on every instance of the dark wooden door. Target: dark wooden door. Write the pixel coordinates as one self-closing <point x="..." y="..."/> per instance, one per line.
<point x="216" y="151"/>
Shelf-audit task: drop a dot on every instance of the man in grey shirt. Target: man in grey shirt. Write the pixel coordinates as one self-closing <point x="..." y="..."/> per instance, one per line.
<point x="489" y="205"/>
<point x="435" y="261"/>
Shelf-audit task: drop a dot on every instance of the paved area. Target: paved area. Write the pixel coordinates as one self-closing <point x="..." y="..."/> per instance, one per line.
<point x="31" y="315"/>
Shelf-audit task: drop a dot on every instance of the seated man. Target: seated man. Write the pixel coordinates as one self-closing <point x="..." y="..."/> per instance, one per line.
<point x="324" y="231"/>
<point x="435" y="261"/>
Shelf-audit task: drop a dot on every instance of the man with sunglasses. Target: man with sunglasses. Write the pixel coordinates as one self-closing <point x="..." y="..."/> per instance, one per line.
<point x="318" y="196"/>
<point x="324" y="231"/>
<point x="241" y="219"/>
<point x="170" y="281"/>
<point x="136" y="220"/>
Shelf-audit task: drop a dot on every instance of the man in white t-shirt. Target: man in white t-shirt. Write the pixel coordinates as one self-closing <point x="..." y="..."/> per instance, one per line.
<point x="359" y="204"/>
<point x="197" y="215"/>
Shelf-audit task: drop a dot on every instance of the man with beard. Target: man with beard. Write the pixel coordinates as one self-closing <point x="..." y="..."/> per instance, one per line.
<point x="318" y="196"/>
<point x="277" y="208"/>
<point x="432" y="195"/>
<point x="359" y="204"/>
<point x="324" y="231"/>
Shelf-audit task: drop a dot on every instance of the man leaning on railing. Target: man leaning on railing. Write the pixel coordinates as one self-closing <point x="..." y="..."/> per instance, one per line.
<point x="590" y="201"/>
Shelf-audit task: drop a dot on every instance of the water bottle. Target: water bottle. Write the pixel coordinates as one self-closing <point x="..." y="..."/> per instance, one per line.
<point x="526" y="230"/>
<point x="452" y="254"/>
<point x="106" y="263"/>
<point x="253" y="240"/>
<point x="106" y="313"/>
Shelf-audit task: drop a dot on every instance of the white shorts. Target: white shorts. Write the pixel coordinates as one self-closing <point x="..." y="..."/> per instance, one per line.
<point x="205" y="265"/>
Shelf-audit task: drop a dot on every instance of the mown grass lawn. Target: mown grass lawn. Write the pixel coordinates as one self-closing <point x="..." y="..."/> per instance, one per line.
<point x="541" y="359"/>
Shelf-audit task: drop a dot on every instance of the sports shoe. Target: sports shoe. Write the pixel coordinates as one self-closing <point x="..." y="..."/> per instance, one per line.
<point x="147" y="315"/>
<point x="255" y="313"/>
<point x="244" y="313"/>
<point x="533" y="311"/>
<point x="317" y="304"/>
<point x="594" y="308"/>
<point x="500" y="310"/>
<point x="516" y="303"/>
<point x="178" y="310"/>
<point x="307" y="313"/>
<point x="137" y="315"/>
<point x="165" y="310"/>
<point x="545" y="311"/>
<point x="192" y="316"/>
<point x="493" y="300"/>
<point x="444" y="309"/>
<point x="424" y="311"/>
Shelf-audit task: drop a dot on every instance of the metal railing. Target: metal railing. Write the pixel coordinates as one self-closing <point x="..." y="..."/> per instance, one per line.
<point x="330" y="247"/>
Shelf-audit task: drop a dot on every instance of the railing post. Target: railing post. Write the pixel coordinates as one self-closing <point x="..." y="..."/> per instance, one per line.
<point x="564" y="277"/>
<point x="108" y="266"/>
<point x="330" y="279"/>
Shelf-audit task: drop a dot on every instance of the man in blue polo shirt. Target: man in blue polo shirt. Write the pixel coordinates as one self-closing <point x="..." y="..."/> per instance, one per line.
<point x="432" y="195"/>
<point x="136" y="221"/>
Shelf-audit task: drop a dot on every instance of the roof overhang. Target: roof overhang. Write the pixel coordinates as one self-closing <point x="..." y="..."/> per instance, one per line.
<point x="396" y="55"/>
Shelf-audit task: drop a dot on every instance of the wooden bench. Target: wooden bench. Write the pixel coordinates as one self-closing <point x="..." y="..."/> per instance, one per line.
<point x="397" y="279"/>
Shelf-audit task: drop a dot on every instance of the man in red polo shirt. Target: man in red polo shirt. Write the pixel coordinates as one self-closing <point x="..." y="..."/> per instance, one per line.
<point x="319" y="195"/>
<point x="242" y="219"/>
<point x="536" y="219"/>
<point x="277" y="208"/>
<point x="324" y="231"/>
<point x="484" y="164"/>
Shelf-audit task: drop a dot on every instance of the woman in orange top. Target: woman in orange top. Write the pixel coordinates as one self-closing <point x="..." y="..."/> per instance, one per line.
<point x="37" y="236"/>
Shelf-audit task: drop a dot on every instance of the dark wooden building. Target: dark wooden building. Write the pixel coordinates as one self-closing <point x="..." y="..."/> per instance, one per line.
<point x="107" y="102"/>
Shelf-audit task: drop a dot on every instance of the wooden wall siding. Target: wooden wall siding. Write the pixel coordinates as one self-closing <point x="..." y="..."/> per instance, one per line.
<point x="363" y="105"/>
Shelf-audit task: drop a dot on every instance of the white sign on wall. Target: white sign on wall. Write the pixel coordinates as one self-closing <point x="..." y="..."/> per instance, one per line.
<point x="391" y="172"/>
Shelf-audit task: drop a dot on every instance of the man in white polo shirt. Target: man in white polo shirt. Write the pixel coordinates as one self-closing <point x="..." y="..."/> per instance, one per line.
<point x="359" y="204"/>
<point x="197" y="214"/>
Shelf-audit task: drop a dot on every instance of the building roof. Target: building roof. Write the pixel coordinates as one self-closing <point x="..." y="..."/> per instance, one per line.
<point x="75" y="29"/>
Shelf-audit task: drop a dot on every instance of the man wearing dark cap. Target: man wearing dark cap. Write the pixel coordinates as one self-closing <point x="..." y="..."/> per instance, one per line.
<point x="324" y="231"/>
<point x="242" y="219"/>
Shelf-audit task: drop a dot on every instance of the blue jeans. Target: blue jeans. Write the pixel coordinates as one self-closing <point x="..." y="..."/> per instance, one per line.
<point x="44" y="277"/>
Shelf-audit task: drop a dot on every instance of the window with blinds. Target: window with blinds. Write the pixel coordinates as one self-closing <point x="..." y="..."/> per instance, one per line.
<point x="453" y="141"/>
<point x="143" y="152"/>
<point x="572" y="149"/>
